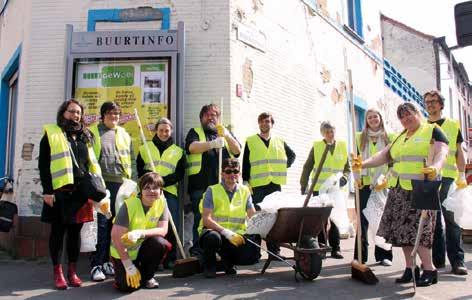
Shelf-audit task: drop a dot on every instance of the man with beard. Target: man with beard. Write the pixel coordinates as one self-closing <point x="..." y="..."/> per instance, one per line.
<point x="265" y="162"/>
<point x="202" y="145"/>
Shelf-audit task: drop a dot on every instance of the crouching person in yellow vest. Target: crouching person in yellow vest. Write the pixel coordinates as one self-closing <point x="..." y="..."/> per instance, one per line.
<point x="138" y="243"/>
<point x="169" y="161"/>
<point x="225" y="208"/>
<point x="336" y="161"/>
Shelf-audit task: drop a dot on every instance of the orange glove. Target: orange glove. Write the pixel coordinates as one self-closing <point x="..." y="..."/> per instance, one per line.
<point x="356" y="163"/>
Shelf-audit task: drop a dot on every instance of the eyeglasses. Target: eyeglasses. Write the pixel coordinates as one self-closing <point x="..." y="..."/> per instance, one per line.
<point x="429" y="102"/>
<point x="114" y="113"/>
<point x="151" y="189"/>
<point x="231" y="171"/>
<point x="74" y="112"/>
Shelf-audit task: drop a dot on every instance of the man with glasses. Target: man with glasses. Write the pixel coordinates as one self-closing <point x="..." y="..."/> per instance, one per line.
<point x="202" y="146"/>
<point x="113" y="150"/>
<point x="225" y="208"/>
<point x="453" y="170"/>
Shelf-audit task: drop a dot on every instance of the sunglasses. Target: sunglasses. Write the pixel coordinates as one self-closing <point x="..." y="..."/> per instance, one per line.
<point x="231" y="171"/>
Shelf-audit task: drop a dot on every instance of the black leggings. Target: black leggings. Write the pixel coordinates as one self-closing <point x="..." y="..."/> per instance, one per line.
<point x="56" y="241"/>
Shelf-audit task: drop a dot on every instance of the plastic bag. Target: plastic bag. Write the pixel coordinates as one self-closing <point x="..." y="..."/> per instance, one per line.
<point x="127" y="189"/>
<point x="261" y="223"/>
<point x="88" y="235"/>
<point x="373" y="213"/>
<point x="460" y="203"/>
<point x="339" y="215"/>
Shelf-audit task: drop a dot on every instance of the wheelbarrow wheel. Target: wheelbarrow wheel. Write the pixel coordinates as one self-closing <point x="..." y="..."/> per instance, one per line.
<point x="309" y="265"/>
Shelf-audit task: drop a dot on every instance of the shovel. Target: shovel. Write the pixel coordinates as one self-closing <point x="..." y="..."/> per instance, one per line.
<point x="186" y="266"/>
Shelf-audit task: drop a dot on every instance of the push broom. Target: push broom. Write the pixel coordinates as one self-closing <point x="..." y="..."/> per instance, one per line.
<point x="359" y="271"/>
<point x="186" y="266"/>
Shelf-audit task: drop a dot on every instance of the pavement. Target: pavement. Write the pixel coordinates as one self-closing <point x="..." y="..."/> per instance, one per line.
<point x="21" y="279"/>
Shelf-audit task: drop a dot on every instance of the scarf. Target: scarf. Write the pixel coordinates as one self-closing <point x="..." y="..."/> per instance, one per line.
<point x="380" y="144"/>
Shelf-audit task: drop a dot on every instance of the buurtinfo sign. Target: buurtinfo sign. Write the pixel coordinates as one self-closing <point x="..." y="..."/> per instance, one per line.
<point x="129" y="41"/>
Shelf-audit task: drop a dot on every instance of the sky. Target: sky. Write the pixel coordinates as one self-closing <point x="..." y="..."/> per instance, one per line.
<point x="433" y="17"/>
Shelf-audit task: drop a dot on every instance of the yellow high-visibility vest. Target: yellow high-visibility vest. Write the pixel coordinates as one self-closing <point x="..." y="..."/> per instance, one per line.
<point x="62" y="171"/>
<point x="123" y="145"/>
<point x="451" y="129"/>
<point x="268" y="164"/>
<point x="228" y="214"/>
<point x="408" y="156"/>
<point x="165" y="164"/>
<point x="333" y="164"/>
<point x="139" y="220"/>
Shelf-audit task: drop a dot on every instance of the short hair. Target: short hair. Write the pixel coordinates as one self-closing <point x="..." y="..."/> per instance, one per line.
<point x="150" y="179"/>
<point x="265" y="115"/>
<point x="207" y="108"/>
<point x="325" y="126"/>
<point x="435" y="93"/>
<point x="163" y="120"/>
<point x="230" y="163"/>
<point x="407" y="107"/>
<point x="108" y="106"/>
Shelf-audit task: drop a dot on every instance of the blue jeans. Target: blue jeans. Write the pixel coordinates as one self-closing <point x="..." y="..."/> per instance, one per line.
<point x="453" y="242"/>
<point x="173" y="205"/>
<point x="195" y="197"/>
<point x="102" y="252"/>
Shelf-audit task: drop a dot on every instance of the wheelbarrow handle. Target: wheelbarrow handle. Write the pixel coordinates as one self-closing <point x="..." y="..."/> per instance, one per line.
<point x="271" y="253"/>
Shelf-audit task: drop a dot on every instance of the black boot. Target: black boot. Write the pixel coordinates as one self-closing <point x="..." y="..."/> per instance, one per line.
<point x="209" y="264"/>
<point x="408" y="276"/>
<point x="428" y="278"/>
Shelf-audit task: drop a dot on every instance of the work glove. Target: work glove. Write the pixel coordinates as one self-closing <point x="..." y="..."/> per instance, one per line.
<point x="130" y="238"/>
<point x="103" y="207"/>
<point x="222" y="131"/>
<point x="234" y="238"/>
<point x="430" y="172"/>
<point x="381" y="185"/>
<point x="356" y="163"/>
<point x="461" y="182"/>
<point x="133" y="277"/>
<point x="217" y="143"/>
<point x="342" y="181"/>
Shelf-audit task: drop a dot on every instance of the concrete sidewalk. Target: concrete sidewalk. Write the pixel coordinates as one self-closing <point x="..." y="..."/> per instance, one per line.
<point x="33" y="280"/>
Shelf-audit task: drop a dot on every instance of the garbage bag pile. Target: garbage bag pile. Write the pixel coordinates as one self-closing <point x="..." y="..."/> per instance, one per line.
<point x="459" y="201"/>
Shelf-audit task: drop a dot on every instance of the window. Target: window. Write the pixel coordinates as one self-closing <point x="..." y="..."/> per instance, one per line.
<point x="360" y="117"/>
<point x="10" y="136"/>
<point x="354" y="11"/>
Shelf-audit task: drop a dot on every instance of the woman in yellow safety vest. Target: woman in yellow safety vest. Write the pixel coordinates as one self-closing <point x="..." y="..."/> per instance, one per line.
<point x="400" y="220"/>
<point x="138" y="243"/>
<point x="65" y="156"/>
<point x="170" y="162"/>
<point x="372" y="139"/>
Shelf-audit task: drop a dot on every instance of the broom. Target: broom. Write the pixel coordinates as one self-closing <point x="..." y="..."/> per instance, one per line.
<point x="359" y="271"/>
<point x="186" y="266"/>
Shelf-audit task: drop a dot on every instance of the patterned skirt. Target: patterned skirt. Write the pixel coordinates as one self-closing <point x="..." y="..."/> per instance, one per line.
<point x="399" y="222"/>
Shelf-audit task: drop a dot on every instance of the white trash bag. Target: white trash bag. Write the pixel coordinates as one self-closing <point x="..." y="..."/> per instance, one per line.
<point x="373" y="213"/>
<point x="460" y="203"/>
<point x="88" y="235"/>
<point x="127" y="188"/>
<point x="338" y="197"/>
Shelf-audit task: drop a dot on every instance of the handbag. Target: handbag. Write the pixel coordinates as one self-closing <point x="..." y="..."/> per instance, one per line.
<point x="8" y="209"/>
<point x="90" y="185"/>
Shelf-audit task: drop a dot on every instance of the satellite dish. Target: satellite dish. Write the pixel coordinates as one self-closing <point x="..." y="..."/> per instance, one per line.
<point x="463" y="17"/>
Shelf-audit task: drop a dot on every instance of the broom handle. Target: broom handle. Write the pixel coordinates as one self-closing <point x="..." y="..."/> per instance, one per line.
<point x="148" y="153"/>
<point x="354" y="150"/>
<point x="220" y="151"/>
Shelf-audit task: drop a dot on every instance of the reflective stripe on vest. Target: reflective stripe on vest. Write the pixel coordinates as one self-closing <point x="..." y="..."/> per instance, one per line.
<point x="123" y="146"/>
<point x="409" y="156"/>
<point x="139" y="220"/>
<point x="333" y="164"/>
<point x="194" y="161"/>
<point x="451" y="129"/>
<point x="268" y="164"/>
<point x="230" y="214"/>
<point x="164" y="165"/>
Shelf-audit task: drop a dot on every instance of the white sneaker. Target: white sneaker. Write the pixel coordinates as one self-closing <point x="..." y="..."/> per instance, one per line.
<point x="152" y="284"/>
<point x="108" y="269"/>
<point x="97" y="274"/>
<point x="386" y="262"/>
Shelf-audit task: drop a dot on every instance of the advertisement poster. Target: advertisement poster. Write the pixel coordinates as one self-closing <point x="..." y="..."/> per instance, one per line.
<point x="133" y="85"/>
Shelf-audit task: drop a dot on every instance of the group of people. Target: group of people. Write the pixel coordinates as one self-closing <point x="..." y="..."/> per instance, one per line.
<point x="135" y="241"/>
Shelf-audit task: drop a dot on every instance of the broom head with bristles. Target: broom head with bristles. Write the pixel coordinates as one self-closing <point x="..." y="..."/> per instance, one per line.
<point x="186" y="267"/>
<point x="363" y="273"/>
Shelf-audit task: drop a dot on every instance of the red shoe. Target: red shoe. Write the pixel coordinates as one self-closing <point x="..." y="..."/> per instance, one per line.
<point x="59" y="280"/>
<point x="74" y="280"/>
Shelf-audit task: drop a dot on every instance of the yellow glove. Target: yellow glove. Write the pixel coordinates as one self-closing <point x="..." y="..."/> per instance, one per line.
<point x="356" y="163"/>
<point x="103" y="206"/>
<point x="130" y="239"/>
<point x="430" y="172"/>
<point x="222" y="131"/>
<point x="234" y="238"/>
<point x="461" y="182"/>
<point x="133" y="277"/>
<point x="381" y="185"/>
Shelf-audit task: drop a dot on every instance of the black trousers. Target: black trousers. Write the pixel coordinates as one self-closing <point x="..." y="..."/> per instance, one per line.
<point x="151" y="253"/>
<point x="334" y="237"/>
<point x="56" y="241"/>
<point x="380" y="253"/>
<point x="213" y="242"/>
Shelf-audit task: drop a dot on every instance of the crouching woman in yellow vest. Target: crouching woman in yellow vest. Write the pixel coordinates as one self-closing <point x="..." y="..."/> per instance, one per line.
<point x="399" y="223"/>
<point x="225" y="208"/>
<point x="65" y="156"/>
<point x="138" y="243"/>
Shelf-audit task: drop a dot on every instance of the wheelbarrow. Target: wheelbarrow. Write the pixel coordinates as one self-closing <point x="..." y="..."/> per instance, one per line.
<point x="309" y="221"/>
